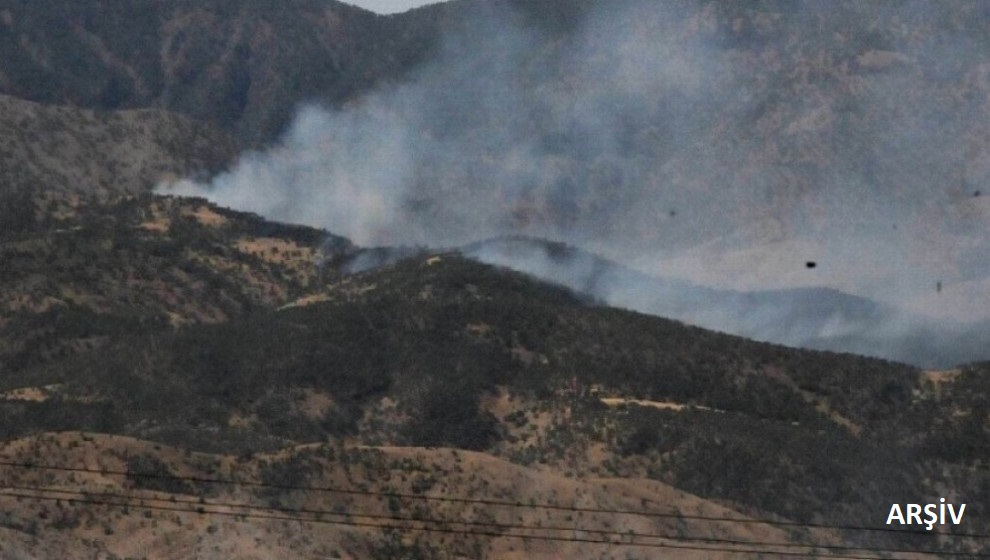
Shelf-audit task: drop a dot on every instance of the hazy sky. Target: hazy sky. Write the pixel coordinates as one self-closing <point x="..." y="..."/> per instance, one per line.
<point x="390" y="6"/>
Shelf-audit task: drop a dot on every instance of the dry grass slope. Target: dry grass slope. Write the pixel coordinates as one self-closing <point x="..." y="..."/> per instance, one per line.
<point x="43" y="528"/>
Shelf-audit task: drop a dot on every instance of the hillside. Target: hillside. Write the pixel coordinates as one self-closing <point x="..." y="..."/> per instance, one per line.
<point x="170" y="525"/>
<point x="74" y="277"/>
<point x="484" y="359"/>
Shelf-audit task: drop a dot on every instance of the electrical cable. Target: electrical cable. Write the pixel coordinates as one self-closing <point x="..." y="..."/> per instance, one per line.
<point x="201" y="509"/>
<point x="488" y="502"/>
<point x="604" y="533"/>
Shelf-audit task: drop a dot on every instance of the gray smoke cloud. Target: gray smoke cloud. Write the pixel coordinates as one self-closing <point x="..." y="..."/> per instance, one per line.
<point x="505" y="131"/>
<point x="719" y="143"/>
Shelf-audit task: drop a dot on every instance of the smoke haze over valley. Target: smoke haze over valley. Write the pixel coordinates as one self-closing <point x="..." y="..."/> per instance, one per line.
<point x="725" y="144"/>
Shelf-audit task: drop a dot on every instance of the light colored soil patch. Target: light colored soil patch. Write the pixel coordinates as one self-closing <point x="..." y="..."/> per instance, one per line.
<point x="31" y="394"/>
<point x="177" y="320"/>
<point x="276" y="250"/>
<point x="940" y="376"/>
<point x="663" y="405"/>
<point x="500" y="404"/>
<point x="823" y="406"/>
<point x="206" y="216"/>
<point x="240" y="421"/>
<point x="159" y="225"/>
<point x="932" y="382"/>
<point x="478" y="329"/>
<point x="306" y="300"/>
<point x="315" y="404"/>
<point x="350" y="288"/>
<point x="527" y="356"/>
<point x="297" y="260"/>
<point x="261" y="283"/>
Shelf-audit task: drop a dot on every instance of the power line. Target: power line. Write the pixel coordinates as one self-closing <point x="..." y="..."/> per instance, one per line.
<point x="489" y="502"/>
<point x="201" y="510"/>
<point x="605" y="534"/>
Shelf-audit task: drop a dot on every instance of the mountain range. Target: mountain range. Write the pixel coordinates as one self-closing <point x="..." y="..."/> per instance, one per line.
<point x="491" y="279"/>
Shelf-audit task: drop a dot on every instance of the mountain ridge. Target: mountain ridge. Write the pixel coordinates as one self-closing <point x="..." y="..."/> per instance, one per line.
<point x="212" y="61"/>
<point x="163" y="340"/>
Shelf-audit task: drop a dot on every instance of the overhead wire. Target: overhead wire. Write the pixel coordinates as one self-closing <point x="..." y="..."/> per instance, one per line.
<point x="679" y="543"/>
<point x="484" y="501"/>
<point x="604" y="533"/>
<point x="621" y="535"/>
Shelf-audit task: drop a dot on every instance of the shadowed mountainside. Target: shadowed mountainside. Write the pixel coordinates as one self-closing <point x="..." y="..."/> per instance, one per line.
<point x="174" y="321"/>
<point x="239" y="65"/>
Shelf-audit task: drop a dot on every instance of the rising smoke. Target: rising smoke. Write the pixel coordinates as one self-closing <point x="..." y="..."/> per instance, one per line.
<point x="512" y="128"/>
<point x="722" y="143"/>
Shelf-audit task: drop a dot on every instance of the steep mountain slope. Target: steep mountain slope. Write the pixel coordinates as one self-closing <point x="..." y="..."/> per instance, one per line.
<point x="484" y="359"/>
<point x="74" y="278"/>
<point x="240" y="65"/>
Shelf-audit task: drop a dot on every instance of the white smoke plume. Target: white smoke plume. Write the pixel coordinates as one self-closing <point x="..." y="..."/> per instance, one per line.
<point x="728" y="144"/>
<point x="494" y="136"/>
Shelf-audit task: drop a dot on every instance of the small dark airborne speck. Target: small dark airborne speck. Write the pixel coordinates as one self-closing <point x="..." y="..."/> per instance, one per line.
<point x="976" y="193"/>
<point x="810" y="264"/>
